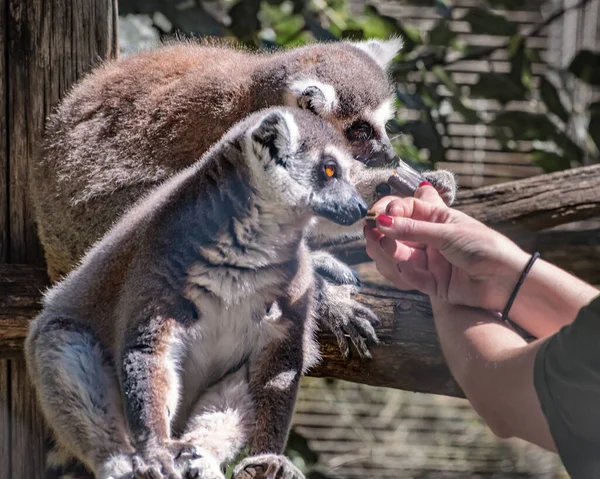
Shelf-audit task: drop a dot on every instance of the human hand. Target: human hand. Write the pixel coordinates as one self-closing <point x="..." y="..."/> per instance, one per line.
<point x="420" y="243"/>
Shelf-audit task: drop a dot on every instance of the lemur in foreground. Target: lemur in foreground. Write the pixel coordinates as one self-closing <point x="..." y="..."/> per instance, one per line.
<point x="182" y="335"/>
<point x="134" y="122"/>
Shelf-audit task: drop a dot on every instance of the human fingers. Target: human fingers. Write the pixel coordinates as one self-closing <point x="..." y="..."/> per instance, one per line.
<point x="420" y="279"/>
<point x="403" y="252"/>
<point x="436" y="235"/>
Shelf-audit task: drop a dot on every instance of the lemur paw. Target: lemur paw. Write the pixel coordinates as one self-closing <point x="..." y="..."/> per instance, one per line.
<point x="156" y="463"/>
<point x="348" y="320"/>
<point x="196" y="463"/>
<point x="444" y="182"/>
<point x="267" y="466"/>
<point x="333" y="270"/>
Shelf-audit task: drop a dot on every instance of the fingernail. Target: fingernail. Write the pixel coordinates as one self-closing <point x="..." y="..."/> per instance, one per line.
<point x="425" y="183"/>
<point x="385" y="220"/>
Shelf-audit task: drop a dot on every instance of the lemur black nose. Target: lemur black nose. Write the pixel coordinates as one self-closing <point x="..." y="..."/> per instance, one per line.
<point x="362" y="206"/>
<point x="383" y="189"/>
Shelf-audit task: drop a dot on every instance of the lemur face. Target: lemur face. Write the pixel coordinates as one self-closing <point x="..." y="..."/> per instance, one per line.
<point x="304" y="166"/>
<point x="347" y="84"/>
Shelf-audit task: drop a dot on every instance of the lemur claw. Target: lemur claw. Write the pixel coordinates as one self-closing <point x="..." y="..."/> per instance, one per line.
<point x="267" y="466"/>
<point x="194" y="462"/>
<point x="444" y="182"/>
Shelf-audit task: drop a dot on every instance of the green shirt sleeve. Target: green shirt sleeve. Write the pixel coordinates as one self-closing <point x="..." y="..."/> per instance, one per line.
<point x="567" y="382"/>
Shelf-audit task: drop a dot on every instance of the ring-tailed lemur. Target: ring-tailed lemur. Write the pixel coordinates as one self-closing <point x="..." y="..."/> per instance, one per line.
<point x="183" y="334"/>
<point x="132" y="123"/>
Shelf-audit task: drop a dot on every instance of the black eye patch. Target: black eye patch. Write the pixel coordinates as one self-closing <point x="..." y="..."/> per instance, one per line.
<point x="359" y="131"/>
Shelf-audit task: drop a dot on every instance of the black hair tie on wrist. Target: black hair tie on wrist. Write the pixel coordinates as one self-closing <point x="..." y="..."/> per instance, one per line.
<point x="513" y="296"/>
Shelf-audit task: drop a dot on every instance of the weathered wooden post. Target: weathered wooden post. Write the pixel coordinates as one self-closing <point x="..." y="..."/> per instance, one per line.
<point x="45" y="45"/>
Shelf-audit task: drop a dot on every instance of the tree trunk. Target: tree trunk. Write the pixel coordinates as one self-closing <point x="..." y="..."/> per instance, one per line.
<point x="45" y="46"/>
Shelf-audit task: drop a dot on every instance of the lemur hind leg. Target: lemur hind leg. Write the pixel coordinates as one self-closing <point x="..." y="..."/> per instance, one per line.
<point x="219" y="427"/>
<point x="79" y="395"/>
<point x="274" y="381"/>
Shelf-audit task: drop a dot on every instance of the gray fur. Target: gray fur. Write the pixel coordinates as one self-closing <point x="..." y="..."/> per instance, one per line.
<point x="166" y="333"/>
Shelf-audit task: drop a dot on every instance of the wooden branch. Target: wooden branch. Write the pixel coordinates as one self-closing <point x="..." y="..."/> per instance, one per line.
<point x="21" y="288"/>
<point x="521" y="208"/>
<point x="408" y="357"/>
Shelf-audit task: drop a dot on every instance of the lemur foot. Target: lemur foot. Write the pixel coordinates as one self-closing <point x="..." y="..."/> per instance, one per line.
<point x="267" y="466"/>
<point x="345" y="317"/>
<point x="116" y="467"/>
<point x="157" y="462"/>
<point x="444" y="182"/>
<point x="196" y="463"/>
<point x="349" y="320"/>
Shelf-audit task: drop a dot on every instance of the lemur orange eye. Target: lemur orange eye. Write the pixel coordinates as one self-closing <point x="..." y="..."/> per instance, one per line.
<point x="329" y="169"/>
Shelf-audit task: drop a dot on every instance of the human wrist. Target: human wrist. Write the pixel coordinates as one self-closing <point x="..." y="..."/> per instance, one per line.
<point x="549" y="299"/>
<point x="506" y="271"/>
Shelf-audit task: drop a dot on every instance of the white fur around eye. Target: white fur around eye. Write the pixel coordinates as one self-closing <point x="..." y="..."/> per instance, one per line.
<point x="382" y="114"/>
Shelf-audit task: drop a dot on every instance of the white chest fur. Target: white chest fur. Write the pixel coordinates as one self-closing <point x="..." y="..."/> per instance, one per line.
<point x="226" y="335"/>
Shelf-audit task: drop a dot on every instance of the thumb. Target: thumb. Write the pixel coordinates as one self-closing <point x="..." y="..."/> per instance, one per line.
<point x="407" y="229"/>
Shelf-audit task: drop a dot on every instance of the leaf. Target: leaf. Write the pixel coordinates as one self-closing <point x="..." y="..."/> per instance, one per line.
<point x="244" y="19"/>
<point x="411" y="36"/>
<point x="569" y="148"/>
<point x="520" y="61"/>
<point x="443" y="76"/>
<point x="469" y="115"/>
<point x="487" y="23"/>
<point x="586" y="66"/>
<point x="443" y="8"/>
<point x="499" y="86"/>
<point x="522" y="125"/>
<point x="594" y="107"/>
<point x="551" y="98"/>
<point x="376" y="25"/>
<point x="411" y="101"/>
<point x="594" y="127"/>
<point x="549" y="161"/>
<point x="441" y="34"/>
<point x="320" y="33"/>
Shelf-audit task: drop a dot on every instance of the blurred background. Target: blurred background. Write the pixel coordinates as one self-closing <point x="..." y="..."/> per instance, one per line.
<point x="494" y="90"/>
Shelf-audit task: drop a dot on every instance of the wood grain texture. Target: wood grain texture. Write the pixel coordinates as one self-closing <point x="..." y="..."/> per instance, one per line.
<point x="51" y="44"/>
<point x="27" y="426"/>
<point x="20" y="293"/>
<point x="4" y="419"/>
<point x="3" y="136"/>
<point x="46" y="45"/>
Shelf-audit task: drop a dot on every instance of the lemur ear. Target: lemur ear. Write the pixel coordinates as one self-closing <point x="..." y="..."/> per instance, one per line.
<point x="275" y="137"/>
<point x="382" y="51"/>
<point x="313" y="95"/>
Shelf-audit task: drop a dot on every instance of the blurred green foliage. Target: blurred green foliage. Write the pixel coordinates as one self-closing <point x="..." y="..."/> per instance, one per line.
<point x="540" y="111"/>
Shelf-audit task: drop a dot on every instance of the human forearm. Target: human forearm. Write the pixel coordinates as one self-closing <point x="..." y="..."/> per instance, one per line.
<point x="549" y="299"/>
<point x="494" y="367"/>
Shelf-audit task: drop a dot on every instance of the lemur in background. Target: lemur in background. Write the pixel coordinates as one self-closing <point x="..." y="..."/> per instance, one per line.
<point x="182" y="335"/>
<point x="134" y="122"/>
